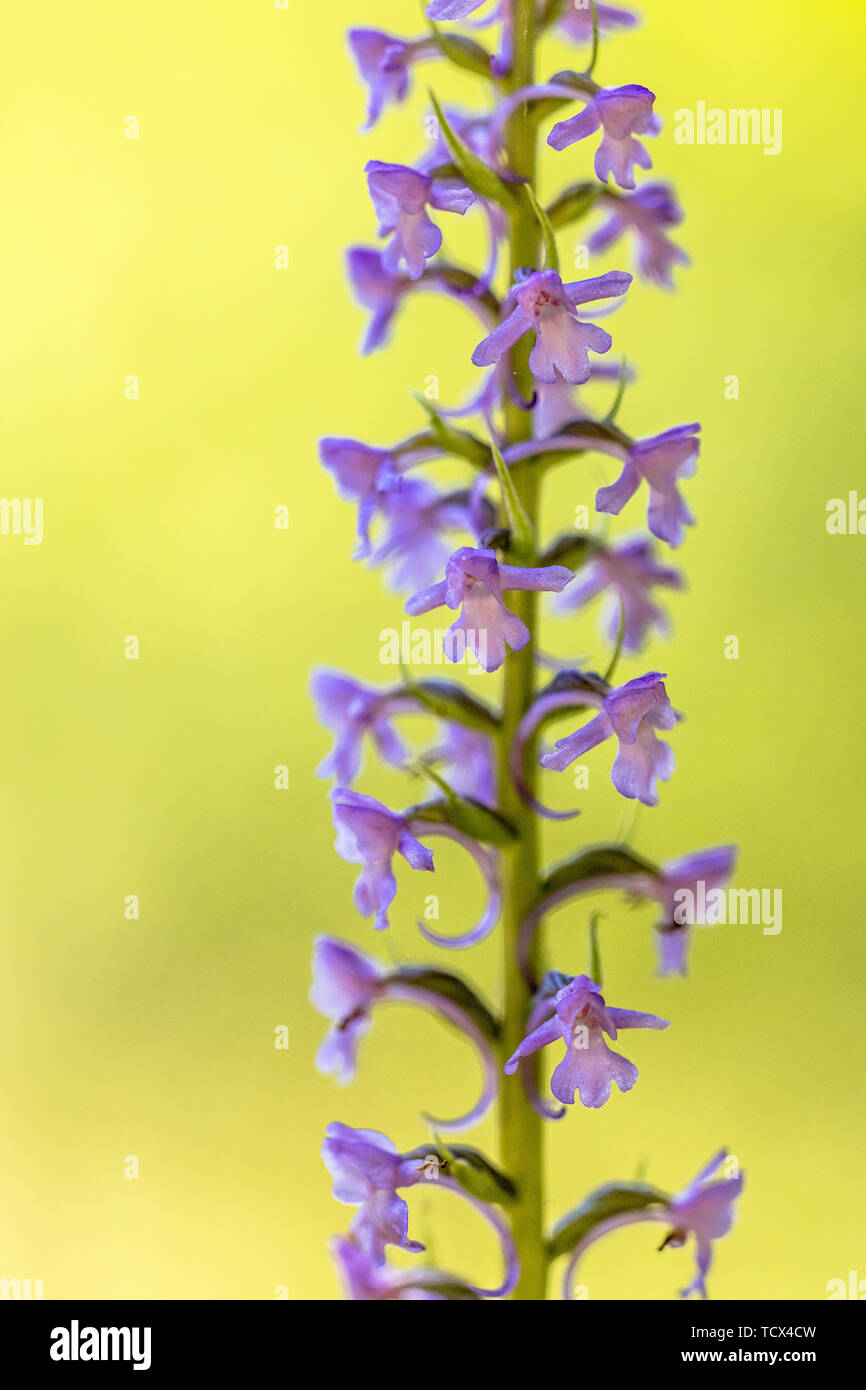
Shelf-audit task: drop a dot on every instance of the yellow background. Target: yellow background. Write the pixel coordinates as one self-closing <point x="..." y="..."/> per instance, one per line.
<point x="155" y="1037"/>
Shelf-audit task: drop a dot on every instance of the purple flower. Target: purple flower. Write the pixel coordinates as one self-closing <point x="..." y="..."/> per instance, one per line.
<point x="360" y="471"/>
<point x="416" y="518"/>
<point x="705" y="1210"/>
<point x="367" y="1170"/>
<point x="628" y="571"/>
<point x="369" y="834"/>
<point x="384" y="62"/>
<point x="647" y="213"/>
<point x="452" y="9"/>
<point x="581" y="1018"/>
<point x="346" y="984"/>
<point x="622" y="113"/>
<point x="713" y="868"/>
<point x="467" y="763"/>
<point x="576" y="20"/>
<point x="352" y="710"/>
<point x="562" y="340"/>
<point x="632" y="712"/>
<point x="474" y="582"/>
<point x="377" y="289"/>
<point x="660" y="462"/>
<point x="557" y="404"/>
<point x="400" y="196"/>
<point x="365" y="1280"/>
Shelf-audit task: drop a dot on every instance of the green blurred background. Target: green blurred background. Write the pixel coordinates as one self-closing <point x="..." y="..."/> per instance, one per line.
<point x="155" y="777"/>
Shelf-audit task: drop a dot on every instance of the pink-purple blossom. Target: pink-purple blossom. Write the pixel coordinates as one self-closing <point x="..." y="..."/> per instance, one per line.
<point x="369" y="834"/>
<point x="474" y="582"/>
<point x="466" y="761"/>
<point x="557" y="402"/>
<point x="580" y="1018"/>
<point x="401" y="196"/>
<point x="346" y="984"/>
<point x="384" y="63"/>
<point x="576" y="20"/>
<point x="452" y="9"/>
<point x="365" y="1280"/>
<point x="415" y="516"/>
<point x="632" y="712"/>
<point x="705" y="1210"/>
<point x="353" y="711"/>
<point x="563" y="341"/>
<point x="377" y="289"/>
<point x="660" y="462"/>
<point x="713" y="868"/>
<point x="621" y="113"/>
<point x="414" y="542"/>
<point x="647" y="213"/>
<point x="626" y="572"/>
<point x="367" y="1169"/>
<point x="359" y="471"/>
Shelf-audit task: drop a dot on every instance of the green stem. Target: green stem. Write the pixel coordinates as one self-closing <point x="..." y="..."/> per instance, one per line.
<point x="520" y="1126"/>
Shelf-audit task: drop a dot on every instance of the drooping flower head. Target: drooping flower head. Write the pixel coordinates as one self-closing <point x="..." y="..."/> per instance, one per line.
<point x="353" y="710"/>
<point x="415" y="516"/>
<point x="580" y="1018"/>
<point x="474" y="582"/>
<point x="647" y="213"/>
<point x="384" y="63"/>
<point x="465" y="758"/>
<point x="367" y="1169"/>
<point x="562" y="340"/>
<point x="626" y="571"/>
<point x="558" y="404"/>
<point x="622" y="113"/>
<point x="660" y="462"/>
<point x="377" y="289"/>
<point x="452" y="9"/>
<point x="364" y="1280"/>
<point x="633" y="712"/>
<point x="369" y="834"/>
<point x="704" y="1209"/>
<point x="347" y="985"/>
<point x="416" y="520"/>
<point x="360" y="471"/>
<point x="401" y="196"/>
<point x="713" y="868"/>
<point x="576" y="20"/>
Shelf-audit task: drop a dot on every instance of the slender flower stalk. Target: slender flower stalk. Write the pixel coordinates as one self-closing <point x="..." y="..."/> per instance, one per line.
<point x="520" y="1126"/>
<point x="476" y="549"/>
